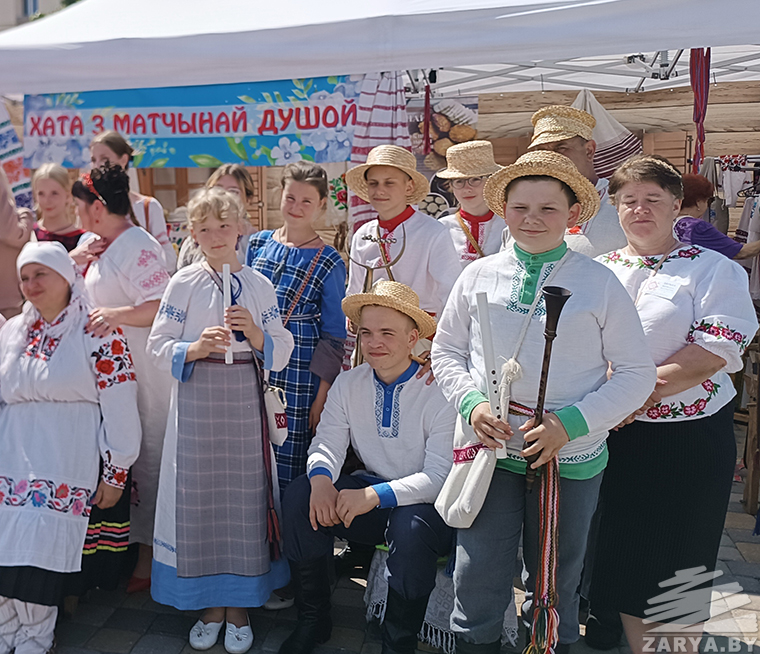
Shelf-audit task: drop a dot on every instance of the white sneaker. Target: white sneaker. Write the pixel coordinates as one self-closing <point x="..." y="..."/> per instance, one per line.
<point x="276" y="602"/>
<point x="204" y="636"/>
<point x="238" y="640"/>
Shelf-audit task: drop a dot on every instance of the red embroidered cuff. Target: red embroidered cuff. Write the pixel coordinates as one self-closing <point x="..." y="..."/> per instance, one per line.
<point x="114" y="476"/>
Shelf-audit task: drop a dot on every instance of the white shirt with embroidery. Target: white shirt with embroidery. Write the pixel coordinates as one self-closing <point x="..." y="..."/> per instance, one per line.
<point x="429" y="265"/>
<point x="193" y="301"/>
<point x="409" y="446"/>
<point x="68" y="402"/>
<point x="598" y="325"/>
<point x="697" y="296"/>
<point x="489" y="238"/>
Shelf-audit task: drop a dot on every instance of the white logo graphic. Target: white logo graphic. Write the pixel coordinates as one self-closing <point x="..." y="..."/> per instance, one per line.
<point x="699" y="607"/>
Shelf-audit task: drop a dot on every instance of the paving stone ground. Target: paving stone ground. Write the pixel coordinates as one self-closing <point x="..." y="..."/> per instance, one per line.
<point x="117" y="623"/>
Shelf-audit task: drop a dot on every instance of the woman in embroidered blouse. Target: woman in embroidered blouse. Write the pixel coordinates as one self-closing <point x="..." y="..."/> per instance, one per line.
<point x="668" y="482"/>
<point x="52" y="204"/>
<point x="125" y="282"/>
<point x="71" y="399"/>
<point x="310" y="280"/>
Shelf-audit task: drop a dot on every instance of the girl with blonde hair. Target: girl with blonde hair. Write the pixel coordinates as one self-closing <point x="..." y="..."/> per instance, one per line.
<point x="56" y="220"/>
<point x="216" y="537"/>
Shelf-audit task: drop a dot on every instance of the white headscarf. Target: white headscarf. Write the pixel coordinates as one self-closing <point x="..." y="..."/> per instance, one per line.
<point x="47" y="253"/>
<point x="54" y="256"/>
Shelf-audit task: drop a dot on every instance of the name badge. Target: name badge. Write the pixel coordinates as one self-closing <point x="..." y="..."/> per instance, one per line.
<point x="664" y="287"/>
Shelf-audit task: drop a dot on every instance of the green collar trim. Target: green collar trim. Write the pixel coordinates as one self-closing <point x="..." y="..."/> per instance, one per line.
<point x="543" y="257"/>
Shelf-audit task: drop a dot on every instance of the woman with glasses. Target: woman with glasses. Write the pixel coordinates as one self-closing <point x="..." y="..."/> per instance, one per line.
<point x="474" y="228"/>
<point x="698" y="195"/>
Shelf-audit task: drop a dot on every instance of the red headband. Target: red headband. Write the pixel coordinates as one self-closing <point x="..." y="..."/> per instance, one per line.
<point x="87" y="181"/>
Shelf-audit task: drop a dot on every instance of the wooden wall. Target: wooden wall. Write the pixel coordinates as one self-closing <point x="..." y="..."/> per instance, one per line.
<point x="732" y="125"/>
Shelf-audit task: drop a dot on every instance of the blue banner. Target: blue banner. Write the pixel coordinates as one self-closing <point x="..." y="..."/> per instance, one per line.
<point x="257" y="124"/>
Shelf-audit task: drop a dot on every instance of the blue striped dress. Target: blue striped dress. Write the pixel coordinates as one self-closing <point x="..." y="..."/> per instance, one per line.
<point x="317" y="317"/>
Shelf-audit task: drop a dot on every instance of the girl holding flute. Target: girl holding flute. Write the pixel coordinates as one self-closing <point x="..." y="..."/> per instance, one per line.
<point x="216" y="538"/>
<point x="540" y="196"/>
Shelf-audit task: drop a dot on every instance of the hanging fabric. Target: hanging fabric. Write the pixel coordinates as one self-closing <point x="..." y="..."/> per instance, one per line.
<point x="614" y="142"/>
<point x="380" y="120"/>
<point x="699" y="71"/>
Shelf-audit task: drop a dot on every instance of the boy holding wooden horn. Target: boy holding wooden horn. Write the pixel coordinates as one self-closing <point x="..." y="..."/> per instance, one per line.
<point x="540" y="196"/>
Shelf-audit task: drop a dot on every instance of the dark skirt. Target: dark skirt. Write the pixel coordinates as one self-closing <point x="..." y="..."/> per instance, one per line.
<point x="663" y="501"/>
<point x="105" y="556"/>
<point x="35" y="585"/>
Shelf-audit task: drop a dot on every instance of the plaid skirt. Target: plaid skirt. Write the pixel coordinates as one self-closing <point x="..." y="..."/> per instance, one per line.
<point x="221" y="500"/>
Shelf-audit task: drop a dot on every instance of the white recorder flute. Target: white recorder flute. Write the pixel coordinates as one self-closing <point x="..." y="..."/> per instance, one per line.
<point x="492" y="378"/>
<point x="227" y="290"/>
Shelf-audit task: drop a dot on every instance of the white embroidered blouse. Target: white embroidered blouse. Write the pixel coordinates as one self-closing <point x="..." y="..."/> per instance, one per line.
<point x="697" y="296"/>
<point x="66" y="403"/>
<point x="193" y="301"/>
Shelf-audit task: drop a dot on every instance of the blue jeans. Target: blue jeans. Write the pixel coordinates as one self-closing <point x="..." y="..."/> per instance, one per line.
<point x="416" y="535"/>
<point x="486" y="553"/>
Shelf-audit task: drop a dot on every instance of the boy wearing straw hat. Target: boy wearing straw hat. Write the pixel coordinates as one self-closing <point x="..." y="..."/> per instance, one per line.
<point x="401" y="428"/>
<point x="541" y="195"/>
<point x="475" y="230"/>
<point x="570" y="132"/>
<point x="416" y="244"/>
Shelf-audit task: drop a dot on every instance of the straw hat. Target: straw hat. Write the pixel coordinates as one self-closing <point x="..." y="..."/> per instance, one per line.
<point x="389" y="155"/>
<point x="550" y="164"/>
<point x="469" y="159"/>
<point x="559" y="123"/>
<point x="393" y="295"/>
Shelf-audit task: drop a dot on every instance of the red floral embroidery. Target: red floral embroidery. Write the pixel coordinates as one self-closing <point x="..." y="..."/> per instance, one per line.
<point x="38" y="347"/>
<point x="45" y="494"/>
<point x="113" y="362"/>
<point x="721" y="333"/>
<point x="697" y="408"/>
<point x="114" y="475"/>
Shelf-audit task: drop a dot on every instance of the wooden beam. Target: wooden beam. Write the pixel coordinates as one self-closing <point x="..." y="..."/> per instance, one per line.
<point x="732" y="143"/>
<point x="734" y="117"/>
<point x="530" y="101"/>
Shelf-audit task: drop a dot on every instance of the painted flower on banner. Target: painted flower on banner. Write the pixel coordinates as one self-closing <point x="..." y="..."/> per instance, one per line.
<point x="286" y="151"/>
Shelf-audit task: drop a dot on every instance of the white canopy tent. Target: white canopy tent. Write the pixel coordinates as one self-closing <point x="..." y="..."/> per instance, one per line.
<point x="111" y="44"/>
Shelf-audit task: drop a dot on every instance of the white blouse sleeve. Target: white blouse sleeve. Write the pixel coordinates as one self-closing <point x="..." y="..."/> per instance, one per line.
<point x="327" y="451"/>
<point x="450" y="353"/>
<point x="120" y="432"/>
<point x="444" y="265"/>
<point x="724" y="316"/>
<point x="624" y="346"/>
<point x="156" y="225"/>
<point x="278" y="341"/>
<point x="144" y="276"/>
<point x="165" y="342"/>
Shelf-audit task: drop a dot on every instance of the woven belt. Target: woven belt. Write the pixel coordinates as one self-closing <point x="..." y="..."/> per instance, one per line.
<point x="516" y="409"/>
<point x="239" y="357"/>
